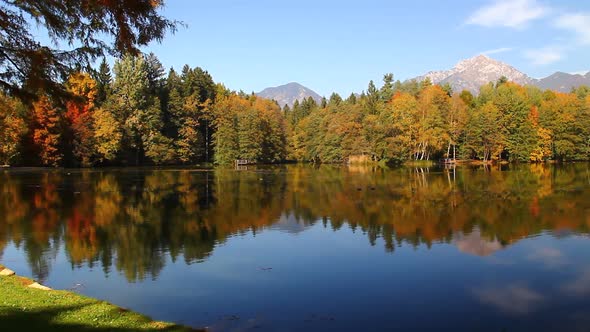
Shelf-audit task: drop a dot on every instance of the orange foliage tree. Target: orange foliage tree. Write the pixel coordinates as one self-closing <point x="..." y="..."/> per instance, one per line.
<point x="47" y="129"/>
<point x="79" y="117"/>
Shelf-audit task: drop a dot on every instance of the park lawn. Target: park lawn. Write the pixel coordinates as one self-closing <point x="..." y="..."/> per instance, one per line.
<point x="26" y="309"/>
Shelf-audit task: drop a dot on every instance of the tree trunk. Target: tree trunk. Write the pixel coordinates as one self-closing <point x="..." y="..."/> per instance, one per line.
<point x="449" y="150"/>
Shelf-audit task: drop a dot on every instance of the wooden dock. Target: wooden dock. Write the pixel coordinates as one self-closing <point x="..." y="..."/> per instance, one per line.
<point x="239" y="163"/>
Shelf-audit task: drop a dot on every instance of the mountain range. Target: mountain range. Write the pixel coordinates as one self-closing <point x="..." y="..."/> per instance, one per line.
<point x="469" y="74"/>
<point x="472" y="73"/>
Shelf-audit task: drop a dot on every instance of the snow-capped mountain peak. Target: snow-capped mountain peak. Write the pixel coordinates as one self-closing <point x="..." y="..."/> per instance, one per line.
<point x="470" y="74"/>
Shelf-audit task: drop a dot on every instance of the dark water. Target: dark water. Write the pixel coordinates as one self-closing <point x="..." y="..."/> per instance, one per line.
<point x="301" y="248"/>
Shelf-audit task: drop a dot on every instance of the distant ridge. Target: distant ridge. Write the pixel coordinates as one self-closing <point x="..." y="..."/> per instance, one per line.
<point x="563" y="82"/>
<point x="288" y="93"/>
<point x="469" y="74"/>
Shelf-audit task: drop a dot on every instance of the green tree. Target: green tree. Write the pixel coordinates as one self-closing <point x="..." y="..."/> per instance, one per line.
<point x="482" y="135"/>
<point x="335" y="99"/>
<point x="226" y="138"/>
<point x="351" y="99"/>
<point x="372" y="99"/>
<point x="138" y="112"/>
<point x="387" y="90"/>
<point x="521" y="138"/>
<point x="103" y="80"/>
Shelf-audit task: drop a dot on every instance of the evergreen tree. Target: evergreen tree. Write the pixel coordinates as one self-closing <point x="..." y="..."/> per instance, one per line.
<point x="386" y="92"/>
<point x="372" y="99"/>
<point x="103" y="80"/>
<point x="351" y="99"/>
<point x="84" y="31"/>
<point x="155" y="74"/>
<point x="335" y="99"/>
<point x="139" y="112"/>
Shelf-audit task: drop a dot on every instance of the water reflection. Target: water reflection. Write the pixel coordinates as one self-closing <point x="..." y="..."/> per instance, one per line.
<point x="132" y="220"/>
<point x="511" y="299"/>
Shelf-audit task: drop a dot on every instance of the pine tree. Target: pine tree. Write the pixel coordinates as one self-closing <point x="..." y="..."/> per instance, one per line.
<point x="386" y="92"/>
<point x="335" y="99"/>
<point x="155" y="74"/>
<point x="372" y="99"/>
<point x="103" y="80"/>
<point x="351" y="99"/>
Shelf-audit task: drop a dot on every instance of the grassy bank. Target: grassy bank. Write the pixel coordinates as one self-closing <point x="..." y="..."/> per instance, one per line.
<point x="26" y="309"/>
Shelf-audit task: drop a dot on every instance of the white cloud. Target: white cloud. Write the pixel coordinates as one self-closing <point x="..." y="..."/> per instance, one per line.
<point x="548" y="256"/>
<point x="508" y="13"/>
<point x="578" y="23"/>
<point x="580" y="72"/>
<point x="544" y="56"/>
<point x="580" y="286"/>
<point x="497" y="50"/>
<point x="512" y="299"/>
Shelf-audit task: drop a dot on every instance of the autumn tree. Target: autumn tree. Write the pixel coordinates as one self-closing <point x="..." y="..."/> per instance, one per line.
<point x="564" y="118"/>
<point x="456" y="120"/>
<point x="47" y="131"/>
<point x="482" y="136"/>
<point x="433" y="105"/>
<point x="12" y="129"/>
<point x="108" y="134"/>
<point x="79" y="118"/>
<point x="248" y="128"/>
<point x="402" y="142"/>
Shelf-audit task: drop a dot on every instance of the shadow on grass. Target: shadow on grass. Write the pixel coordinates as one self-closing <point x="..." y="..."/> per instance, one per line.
<point x="48" y="319"/>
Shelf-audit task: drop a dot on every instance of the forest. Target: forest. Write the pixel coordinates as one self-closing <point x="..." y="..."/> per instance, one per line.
<point x="137" y="114"/>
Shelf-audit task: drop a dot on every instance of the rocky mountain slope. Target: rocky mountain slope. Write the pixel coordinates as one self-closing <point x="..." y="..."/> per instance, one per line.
<point x="471" y="74"/>
<point x="288" y="93"/>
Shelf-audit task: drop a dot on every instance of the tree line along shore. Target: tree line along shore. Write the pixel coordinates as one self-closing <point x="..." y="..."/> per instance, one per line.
<point x="137" y="114"/>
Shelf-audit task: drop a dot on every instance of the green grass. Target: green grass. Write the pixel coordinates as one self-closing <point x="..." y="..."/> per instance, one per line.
<point x="26" y="309"/>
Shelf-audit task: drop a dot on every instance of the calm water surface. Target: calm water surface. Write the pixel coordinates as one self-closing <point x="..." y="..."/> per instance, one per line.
<point x="316" y="249"/>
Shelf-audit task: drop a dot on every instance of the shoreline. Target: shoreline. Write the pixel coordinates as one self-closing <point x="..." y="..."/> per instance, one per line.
<point x="29" y="306"/>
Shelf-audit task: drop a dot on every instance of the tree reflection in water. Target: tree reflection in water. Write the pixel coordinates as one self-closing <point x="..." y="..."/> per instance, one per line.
<point x="130" y="219"/>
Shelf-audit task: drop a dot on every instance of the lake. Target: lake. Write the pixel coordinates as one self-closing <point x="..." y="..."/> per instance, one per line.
<point x="314" y="248"/>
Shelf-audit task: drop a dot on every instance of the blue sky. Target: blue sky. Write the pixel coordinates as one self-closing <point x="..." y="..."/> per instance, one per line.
<point x="341" y="45"/>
